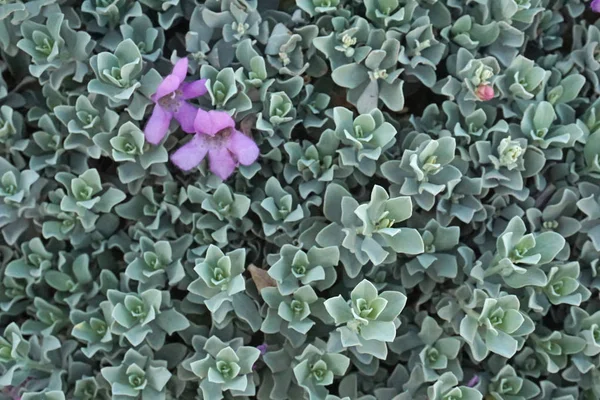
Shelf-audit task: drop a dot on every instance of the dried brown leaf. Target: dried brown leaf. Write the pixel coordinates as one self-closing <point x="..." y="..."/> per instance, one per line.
<point x="261" y="278"/>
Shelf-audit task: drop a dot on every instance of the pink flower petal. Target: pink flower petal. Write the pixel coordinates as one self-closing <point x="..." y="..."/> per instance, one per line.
<point x="167" y="86"/>
<point x="211" y="122"/>
<point x="191" y="90"/>
<point x="222" y="163"/>
<point x="191" y="154"/>
<point x="185" y="115"/>
<point x="243" y="147"/>
<point x="596" y="6"/>
<point x="180" y="69"/>
<point x="157" y="125"/>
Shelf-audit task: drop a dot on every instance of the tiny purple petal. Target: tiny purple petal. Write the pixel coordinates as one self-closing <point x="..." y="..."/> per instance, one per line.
<point x="194" y="89"/>
<point x="170" y="84"/>
<point x="180" y="69"/>
<point x="262" y="348"/>
<point x="474" y="381"/>
<point x="191" y="154"/>
<point x="243" y="147"/>
<point x="222" y="163"/>
<point x="212" y="122"/>
<point x="596" y="6"/>
<point x="13" y="391"/>
<point x="185" y="115"/>
<point x="157" y="125"/>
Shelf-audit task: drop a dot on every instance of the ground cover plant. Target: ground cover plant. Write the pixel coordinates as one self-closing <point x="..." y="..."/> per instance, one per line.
<point x="310" y="199"/>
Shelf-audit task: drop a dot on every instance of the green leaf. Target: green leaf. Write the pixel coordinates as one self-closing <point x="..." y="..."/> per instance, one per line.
<point x="172" y="321"/>
<point x="501" y="343"/>
<point x="339" y="309"/>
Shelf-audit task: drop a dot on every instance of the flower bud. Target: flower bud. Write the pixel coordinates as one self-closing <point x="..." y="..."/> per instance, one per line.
<point x="485" y="92"/>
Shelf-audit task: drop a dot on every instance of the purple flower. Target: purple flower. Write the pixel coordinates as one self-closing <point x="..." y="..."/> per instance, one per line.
<point x="596" y="6"/>
<point x="216" y="136"/>
<point x="474" y="381"/>
<point x="170" y="99"/>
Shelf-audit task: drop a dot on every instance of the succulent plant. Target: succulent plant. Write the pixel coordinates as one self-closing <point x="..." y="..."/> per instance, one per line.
<point x="108" y="14"/>
<point x="508" y="383"/>
<point x="555" y="348"/>
<point x="518" y="256"/>
<point x="438" y="261"/>
<point x="365" y="138"/>
<point x="220" y="285"/>
<point x="35" y="260"/>
<point x="138" y="375"/>
<point x="148" y="39"/>
<point x="93" y="328"/>
<point x="84" y="120"/>
<point x="314" y="164"/>
<point x="18" y="193"/>
<point x="310" y="199"/>
<point x="523" y="80"/>
<point x="497" y="327"/>
<point x="56" y="50"/>
<point x="290" y="53"/>
<point x="137" y="158"/>
<point x="293" y="266"/>
<point x="155" y="264"/>
<point x="422" y="53"/>
<point x="120" y="75"/>
<point x="72" y="280"/>
<point x="446" y="388"/>
<point x="366" y="231"/>
<point x="378" y="78"/>
<point x="279" y="210"/>
<point x="390" y="13"/>
<point x="423" y="172"/>
<point x="223" y="90"/>
<point x="348" y="42"/>
<point x="537" y="128"/>
<point x="225" y="368"/>
<point x="317" y="368"/>
<point x="506" y="161"/>
<point x="220" y="275"/>
<point x="368" y="318"/>
<point x="146" y="316"/>
<point x="290" y="315"/>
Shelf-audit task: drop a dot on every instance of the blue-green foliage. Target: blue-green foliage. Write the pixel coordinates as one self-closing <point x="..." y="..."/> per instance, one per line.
<point x="422" y="222"/>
